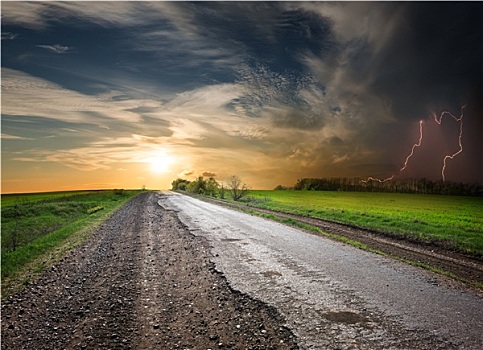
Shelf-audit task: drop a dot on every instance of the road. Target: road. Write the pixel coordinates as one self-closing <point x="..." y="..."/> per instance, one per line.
<point x="141" y="281"/>
<point x="333" y="296"/>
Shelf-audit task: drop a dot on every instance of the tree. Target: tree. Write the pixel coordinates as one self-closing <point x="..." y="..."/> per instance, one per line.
<point x="236" y="188"/>
<point x="222" y="191"/>
<point x="179" y="184"/>
<point x="212" y="187"/>
<point x="198" y="186"/>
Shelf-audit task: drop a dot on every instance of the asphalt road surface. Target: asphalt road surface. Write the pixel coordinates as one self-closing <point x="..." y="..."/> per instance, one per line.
<point x="333" y="296"/>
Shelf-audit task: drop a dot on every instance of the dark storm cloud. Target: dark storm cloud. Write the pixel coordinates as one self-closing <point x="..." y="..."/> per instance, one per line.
<point x="270" y="38"/>
<point x="434" y="60"/>
<point x="272" y="33"/>
<point x="293" y="100"/>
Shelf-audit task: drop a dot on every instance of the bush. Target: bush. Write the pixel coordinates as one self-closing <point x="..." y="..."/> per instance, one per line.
<point x="179" y="184"/>
<point x="236" y="188"/>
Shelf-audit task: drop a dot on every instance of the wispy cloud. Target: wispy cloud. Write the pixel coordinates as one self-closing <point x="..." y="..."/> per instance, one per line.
<point x="186" y="173"/>
<point x="24" y="13"/>
<point x="39" y="15"/>
<point x="100" y="154"/>
<point x="13" y="137"/>
<point x="8" y="36"/>
<point x="27" y="95"/>
<point x="56" y="48"/>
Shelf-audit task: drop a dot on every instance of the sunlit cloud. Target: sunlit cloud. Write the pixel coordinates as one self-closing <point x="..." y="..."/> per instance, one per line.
<point x="185" y="173"/>
<point x="185" y="131"/>
<point x="24" y="13"/>
<point x="102" y="154"/>
<point x="206" y="99"/>
<point x="13" y="137"/>
<point x="208" y="174"/>
<point x="27" y="95"/>
<point x="38" y="15"/>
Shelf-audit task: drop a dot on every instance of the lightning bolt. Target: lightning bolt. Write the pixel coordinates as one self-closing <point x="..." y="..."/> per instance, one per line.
<point x="370" y="178"/>
<point x="420" y="141"/>
<point x="414" y="146"/>
<point x="460" y="136"/>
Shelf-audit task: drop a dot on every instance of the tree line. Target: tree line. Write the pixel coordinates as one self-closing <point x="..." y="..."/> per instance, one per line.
<point x="234" y="187"/>
<point x="422" y="185"/>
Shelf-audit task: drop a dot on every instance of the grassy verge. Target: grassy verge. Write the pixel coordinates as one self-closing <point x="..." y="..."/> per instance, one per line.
<point x="455" y="222"/>
<point x="44" y="230"/>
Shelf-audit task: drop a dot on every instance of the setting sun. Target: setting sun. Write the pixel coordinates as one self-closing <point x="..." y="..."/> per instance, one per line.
<point x="160" y="164"/>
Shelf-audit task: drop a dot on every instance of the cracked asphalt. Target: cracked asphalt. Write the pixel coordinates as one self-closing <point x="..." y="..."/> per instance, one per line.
<point x="333" y="296"/>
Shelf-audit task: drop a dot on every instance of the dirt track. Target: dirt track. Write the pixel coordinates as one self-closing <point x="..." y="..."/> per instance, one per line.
<point x="141" y="282"/>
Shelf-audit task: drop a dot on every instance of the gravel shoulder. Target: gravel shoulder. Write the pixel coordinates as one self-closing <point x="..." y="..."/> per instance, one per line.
<point x="142" y="281"/>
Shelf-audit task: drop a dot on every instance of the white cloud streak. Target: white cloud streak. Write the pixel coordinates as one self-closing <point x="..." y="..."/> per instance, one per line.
<point x="56" y="48"/>
<point x="13" y="137"/>
<point x="8" y="36"/>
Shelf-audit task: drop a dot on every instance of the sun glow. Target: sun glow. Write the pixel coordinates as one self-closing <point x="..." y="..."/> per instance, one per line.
<point x="160" y="163"/>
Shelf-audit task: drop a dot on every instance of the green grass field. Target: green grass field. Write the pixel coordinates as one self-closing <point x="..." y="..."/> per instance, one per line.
<point x="35" y="225"/>
<point x="11" y="199"/>
<point x="450" y="220"/>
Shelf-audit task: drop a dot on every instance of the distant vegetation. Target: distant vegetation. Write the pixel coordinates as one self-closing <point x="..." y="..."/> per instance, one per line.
<point x="452" y="221"/>
<point x="420" y="186"/>
<point x="235" y="187"/>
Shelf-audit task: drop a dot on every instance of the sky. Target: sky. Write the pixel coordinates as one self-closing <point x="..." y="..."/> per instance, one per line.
<point x="122" y="94"/>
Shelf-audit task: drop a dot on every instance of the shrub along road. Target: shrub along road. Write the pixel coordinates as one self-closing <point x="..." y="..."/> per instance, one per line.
<point x="186" y="274"/>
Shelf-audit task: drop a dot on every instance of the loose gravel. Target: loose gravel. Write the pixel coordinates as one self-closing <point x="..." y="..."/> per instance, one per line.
<point x="142" y="281"/>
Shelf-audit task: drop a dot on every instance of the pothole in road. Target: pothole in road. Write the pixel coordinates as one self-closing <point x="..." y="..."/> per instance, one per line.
<point x="271" y="274"/>
<point x="341" y="316"/>
<point x="230" y="239"/>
